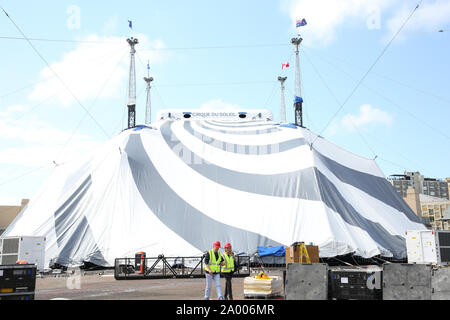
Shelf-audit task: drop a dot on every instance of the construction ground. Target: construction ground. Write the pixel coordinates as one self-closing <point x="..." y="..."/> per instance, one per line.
<point x="101" y="285"/>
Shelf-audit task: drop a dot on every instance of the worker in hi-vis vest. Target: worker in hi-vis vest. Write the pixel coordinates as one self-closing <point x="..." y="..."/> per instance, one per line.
<point x="213" y="261"/>
<point x="227" y="270"/>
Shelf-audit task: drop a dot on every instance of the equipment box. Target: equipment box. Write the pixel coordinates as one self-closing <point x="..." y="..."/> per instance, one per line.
<point x="292" y="254"/>
<point x="428" y="246"/>
<point x="355" y="283"/>
<point x="17" y="282"/>
<point x="28" y="248"/>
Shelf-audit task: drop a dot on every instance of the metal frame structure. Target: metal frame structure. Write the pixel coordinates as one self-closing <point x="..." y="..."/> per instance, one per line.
<point x="160" y="268"/>
<point x="298" y="100"/>
<point x="132" y="85"/>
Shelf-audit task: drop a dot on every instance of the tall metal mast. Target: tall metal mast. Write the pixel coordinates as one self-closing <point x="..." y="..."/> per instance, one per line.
<point x="282" y="102"/>
<point x="132" y="85"/>
<point x="298" y="100"/>
<point x="148" y="104"/>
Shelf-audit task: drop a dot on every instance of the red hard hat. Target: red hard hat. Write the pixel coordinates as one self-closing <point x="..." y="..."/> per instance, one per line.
<point x="227" y="245"/>
<point x="216" y="244"/>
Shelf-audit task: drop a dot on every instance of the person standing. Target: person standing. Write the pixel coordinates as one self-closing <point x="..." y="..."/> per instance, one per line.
<point x="213" y="261"/>
<point x="228" y="270"/>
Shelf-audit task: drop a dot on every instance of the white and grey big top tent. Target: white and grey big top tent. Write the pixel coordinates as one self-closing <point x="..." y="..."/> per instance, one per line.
<point x="192" y="178"/>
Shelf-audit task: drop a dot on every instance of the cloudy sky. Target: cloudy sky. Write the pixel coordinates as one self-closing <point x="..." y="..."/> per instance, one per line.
<point x="224" y="55"/>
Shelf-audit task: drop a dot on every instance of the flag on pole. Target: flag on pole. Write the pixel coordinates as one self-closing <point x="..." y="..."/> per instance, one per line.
<point x="298" y="99"/>
<point x="148" y="66"/>
<point x="130" y="24"/>
<point x="285" y="65"/>
<point x="300" y="23"/>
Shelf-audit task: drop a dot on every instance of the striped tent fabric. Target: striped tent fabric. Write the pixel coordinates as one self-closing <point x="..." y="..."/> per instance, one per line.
<point x="177" y="186"/>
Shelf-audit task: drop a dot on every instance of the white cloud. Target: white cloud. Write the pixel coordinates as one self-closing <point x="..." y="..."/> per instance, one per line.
<point x="87" y="68"/>
<point x="325" y="17"/>
<point x="430" y="16"/>
<point x="33" y="143"/>
<point x="218" y="104"/>
<point x="111" y="24"/>
<point x="367" y="117"/>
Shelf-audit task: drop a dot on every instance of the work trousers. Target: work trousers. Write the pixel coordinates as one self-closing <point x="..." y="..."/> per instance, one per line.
<point x="209" y="279"/>
<point x="228" y="291"/>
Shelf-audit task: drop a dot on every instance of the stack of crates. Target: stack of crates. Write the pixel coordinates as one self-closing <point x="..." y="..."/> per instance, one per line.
<point x="17" y="282"/>
<point x="355" y="283"/>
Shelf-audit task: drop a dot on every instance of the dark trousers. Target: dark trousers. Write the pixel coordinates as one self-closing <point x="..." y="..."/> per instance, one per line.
<point x="228" y="292"/>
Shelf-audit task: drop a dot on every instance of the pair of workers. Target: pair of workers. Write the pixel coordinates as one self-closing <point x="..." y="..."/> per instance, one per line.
<point x="217" y="263"/>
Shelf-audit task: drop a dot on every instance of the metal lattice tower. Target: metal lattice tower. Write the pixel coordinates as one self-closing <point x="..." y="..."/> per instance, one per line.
<point x="298" y="100"/>
<point x="282" y="101"/>
<point x="132" y="85"/>
<point x="148" y="104"/>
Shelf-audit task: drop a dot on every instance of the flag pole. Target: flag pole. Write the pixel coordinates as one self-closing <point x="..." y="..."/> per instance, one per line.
<point x="298" y="100"/>
<point x="132" y="85"/>
<point x="148" y="104"/>
<point x="282" y="102"/>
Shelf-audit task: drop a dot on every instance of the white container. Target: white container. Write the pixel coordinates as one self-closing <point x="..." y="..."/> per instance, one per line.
<point x="424" y="247"/>
<point x="28" y="248"/>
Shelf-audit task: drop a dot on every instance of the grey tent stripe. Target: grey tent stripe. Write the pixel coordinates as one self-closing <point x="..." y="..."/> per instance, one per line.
<point x="243" y="132"/>
<point x="334" y="200"/>
<point x="375" y="186"/>
<point x="245" y="149"/>
<point x="296" y="184"/>
<point x="66" y="211"/>
<point x="189" y="223"/>
<point x="68" y="224"/>
<point x="240" y="125"/>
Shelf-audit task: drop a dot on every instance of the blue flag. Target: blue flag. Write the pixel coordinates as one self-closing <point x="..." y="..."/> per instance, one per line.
<point x="300" y="23"/>
<point x="148" y="66"/>
<point x="130" y="24"/>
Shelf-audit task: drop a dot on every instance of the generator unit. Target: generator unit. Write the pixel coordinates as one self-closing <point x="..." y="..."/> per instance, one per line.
<point x="28" y="248"/>
<point x="428" y="246"/>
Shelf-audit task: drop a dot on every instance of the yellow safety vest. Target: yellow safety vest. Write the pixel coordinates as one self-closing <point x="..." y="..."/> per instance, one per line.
<point x="229" y="263"/>
<point x="214" y="264"/>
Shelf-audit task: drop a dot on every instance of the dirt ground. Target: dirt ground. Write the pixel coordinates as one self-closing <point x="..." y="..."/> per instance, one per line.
<point x="102" y="285"/>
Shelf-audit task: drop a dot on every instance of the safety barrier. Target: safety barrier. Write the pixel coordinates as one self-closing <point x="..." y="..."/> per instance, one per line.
<point x="162" y="267"/>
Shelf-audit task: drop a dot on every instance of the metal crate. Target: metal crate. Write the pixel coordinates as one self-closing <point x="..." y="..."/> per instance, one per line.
<point x="355" y="284"/>
<point x="17" y="281"/>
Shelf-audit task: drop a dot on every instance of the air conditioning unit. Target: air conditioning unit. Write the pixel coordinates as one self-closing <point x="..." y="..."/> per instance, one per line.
<point x="28" y="248"/>
<point x="428" y="246"/>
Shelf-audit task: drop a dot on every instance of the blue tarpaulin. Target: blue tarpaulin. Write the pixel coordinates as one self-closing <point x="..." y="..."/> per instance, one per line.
<point x="277" y="251"/>
<point x="289" y="125"/>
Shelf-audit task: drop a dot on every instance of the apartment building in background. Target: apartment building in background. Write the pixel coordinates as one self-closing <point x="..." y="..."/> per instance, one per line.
<point x="414" y="180"/>
<point x="427" y="197"/>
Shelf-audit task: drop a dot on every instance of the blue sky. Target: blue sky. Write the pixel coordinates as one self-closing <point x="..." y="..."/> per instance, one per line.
<point x="225" y="55"/>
